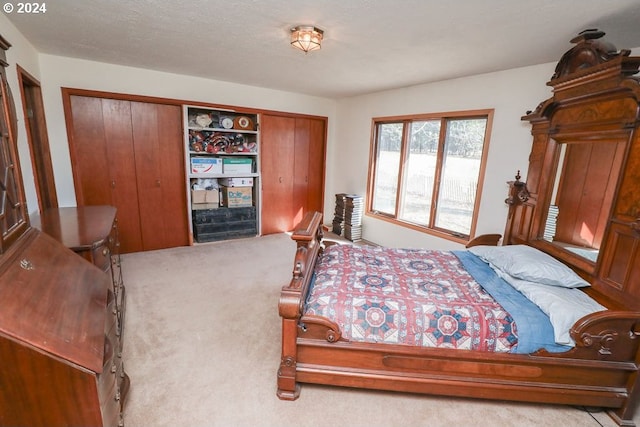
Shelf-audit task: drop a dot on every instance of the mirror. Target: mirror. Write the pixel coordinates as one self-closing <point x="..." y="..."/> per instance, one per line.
<point x="582" y="195"/>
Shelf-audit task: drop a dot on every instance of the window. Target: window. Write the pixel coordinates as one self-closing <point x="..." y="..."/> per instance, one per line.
<point x="427" y="170"/>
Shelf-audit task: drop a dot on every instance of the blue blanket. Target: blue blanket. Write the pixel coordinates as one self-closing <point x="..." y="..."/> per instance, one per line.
<point x="532" y="324"/>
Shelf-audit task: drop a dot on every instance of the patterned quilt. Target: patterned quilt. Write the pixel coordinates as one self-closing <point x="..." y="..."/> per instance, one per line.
<point x="404" y="296"/>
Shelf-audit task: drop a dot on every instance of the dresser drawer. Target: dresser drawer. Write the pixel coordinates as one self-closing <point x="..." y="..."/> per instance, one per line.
<point x="101" y="257"/>
<point x="111" y="409"/>
<point x="110" y="384"/>
<point x="107" y="385"/>
<point x="121" y="310"/>
<point x="113" y="325"/>
<point x="107" y="378"/>
<point x="111" y="312"/>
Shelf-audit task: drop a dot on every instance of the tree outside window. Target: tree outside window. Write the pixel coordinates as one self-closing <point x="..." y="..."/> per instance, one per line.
<point x="427" y="170"/>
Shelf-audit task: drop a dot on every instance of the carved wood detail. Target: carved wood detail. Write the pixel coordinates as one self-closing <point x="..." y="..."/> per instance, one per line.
<point x="590" y="50"/>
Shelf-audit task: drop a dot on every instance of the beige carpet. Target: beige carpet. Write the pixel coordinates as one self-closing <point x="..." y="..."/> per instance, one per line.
<point x="202" y="344"/>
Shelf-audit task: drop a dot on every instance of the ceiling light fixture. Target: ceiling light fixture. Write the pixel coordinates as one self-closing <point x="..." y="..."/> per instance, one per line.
<point x="306" y="38"/>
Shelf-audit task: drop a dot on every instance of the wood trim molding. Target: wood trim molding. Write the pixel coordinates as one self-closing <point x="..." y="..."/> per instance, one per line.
<point x="38" y="140"/>
<point x="66" y="91"/>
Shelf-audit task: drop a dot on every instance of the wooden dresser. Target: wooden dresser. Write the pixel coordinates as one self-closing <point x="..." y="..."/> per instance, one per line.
<point x="92" y="233"/>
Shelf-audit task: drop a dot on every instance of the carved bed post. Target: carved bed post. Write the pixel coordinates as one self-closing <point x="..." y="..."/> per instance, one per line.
<point x="518" y="194"/>
<point x="308" y="236"/>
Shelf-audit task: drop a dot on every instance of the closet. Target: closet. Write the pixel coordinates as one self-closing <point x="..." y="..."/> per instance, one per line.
<point x="292" y="159"/>
<point x="128" y="153"/>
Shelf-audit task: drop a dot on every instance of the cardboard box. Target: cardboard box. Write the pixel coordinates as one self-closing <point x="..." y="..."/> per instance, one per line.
<point x="204" y="206"/>
<point x="205" y="196"/>
<point x="198" y="196"/>
<point x="237" y="165"/>
<point x="236" y="182"/>
<point x="206" y="165"/>
<point x="235" y="197"/>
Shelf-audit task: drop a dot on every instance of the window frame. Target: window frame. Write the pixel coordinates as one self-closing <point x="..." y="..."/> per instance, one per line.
<point x="406" y="120"/>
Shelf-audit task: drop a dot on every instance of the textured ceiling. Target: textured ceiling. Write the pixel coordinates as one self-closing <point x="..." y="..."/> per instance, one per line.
<point x="370" y="45"/>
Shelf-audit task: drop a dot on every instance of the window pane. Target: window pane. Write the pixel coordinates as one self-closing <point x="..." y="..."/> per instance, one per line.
<point x="387" y="167"/>
<point x="460" y="172"/>
<point x="420" y="170"/>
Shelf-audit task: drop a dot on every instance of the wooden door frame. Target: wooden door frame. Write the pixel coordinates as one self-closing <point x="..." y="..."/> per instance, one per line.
<point x="37" y="139"/>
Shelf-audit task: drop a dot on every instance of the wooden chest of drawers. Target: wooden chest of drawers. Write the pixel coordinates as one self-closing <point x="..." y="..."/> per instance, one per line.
<point x="92" y="233"/>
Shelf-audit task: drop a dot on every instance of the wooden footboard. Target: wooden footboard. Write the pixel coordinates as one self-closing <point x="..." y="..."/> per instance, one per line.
<point x="601" y="371"/>
<point x="308" y="235"/>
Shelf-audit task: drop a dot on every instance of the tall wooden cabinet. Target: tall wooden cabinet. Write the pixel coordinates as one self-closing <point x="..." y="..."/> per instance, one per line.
<point x="13" y="212"/>
<point x="129" y="154"/>
<point x="292" y="169"/>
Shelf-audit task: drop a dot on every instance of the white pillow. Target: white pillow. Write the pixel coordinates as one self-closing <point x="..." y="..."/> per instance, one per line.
<point x="527" y="263"/>
<point x="564" y="306"/>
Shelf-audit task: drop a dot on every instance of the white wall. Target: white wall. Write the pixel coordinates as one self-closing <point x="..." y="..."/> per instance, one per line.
<point x="55" y="72"/>
<point x="511" y="93"/>
<point x="23" y="53"/>
<point x="59" y="72"/>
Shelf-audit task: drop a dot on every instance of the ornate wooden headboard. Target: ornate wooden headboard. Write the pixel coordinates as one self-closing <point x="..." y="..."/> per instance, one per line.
<point x="581" y="199"/>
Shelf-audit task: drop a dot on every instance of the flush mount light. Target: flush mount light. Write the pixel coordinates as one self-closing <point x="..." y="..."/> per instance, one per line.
<point x="306" y="38"/>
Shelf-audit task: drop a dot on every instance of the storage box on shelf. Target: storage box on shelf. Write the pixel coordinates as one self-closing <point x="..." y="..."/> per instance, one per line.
<point x="222" y="144"/>
<point x="211" y="225"/>
<point x="206" y="165"/>
<point x="205" y="193"/>
<point x="233" y="197"/>
<point x="236" y="165"/>
<point x="205" y="196"/>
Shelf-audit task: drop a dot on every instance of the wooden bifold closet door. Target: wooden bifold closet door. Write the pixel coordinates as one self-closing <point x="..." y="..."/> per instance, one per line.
<point x="292" y="160"/>
<point x="129" y="154"/>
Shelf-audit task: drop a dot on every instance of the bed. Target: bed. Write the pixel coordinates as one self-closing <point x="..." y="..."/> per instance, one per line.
<point x="595" y="362"/>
